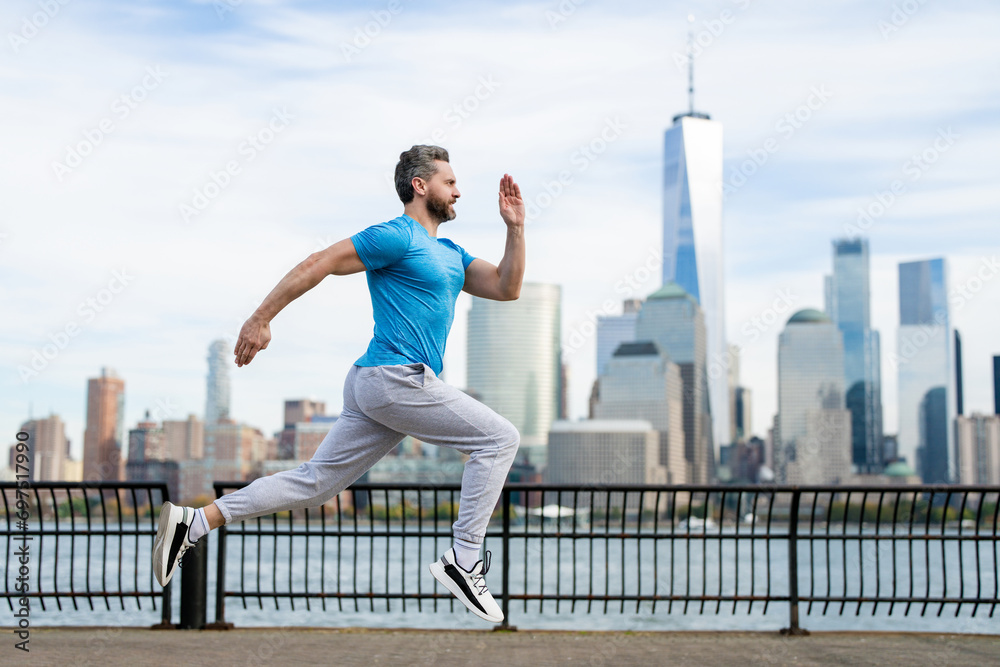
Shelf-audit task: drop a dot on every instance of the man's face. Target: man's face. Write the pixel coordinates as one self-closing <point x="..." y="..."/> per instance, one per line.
<point x="442" y="193"/>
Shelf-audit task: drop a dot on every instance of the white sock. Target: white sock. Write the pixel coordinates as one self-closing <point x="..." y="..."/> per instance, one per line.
<point x="199" y="525"/>
<point x="466" y="554"/>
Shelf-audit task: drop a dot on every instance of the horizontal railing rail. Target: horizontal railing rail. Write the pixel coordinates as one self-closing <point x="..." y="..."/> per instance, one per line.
<point x="89" y="541"/>
<point x="899" y="549"/>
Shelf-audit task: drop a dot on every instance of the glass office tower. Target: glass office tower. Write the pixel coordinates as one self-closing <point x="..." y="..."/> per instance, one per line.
<point x="812" y="443"/>
<point x="692" y="241"/>
<point x="925" y="364"/>
<point x="514" y="361"/>
<point x="849" y="307"/>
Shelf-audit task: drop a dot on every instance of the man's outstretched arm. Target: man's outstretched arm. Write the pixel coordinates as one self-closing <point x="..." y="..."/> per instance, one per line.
<point x="502" y="283"/>
<point x="340" y="259"/>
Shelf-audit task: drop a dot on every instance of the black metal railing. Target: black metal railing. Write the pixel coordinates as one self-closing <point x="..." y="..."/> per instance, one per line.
<point x="900" y="549"/>
<point x="86" y="541"/>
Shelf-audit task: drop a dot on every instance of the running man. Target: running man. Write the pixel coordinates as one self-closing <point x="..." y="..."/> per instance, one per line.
<point x="393" y="390"/>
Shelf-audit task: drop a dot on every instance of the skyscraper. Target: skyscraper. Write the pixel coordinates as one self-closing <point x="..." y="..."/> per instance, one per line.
<point x="925" y="364"/>
<point x="959" y="383"/>
<point x="674" y="321"/>
<point x="813" y="434"/>
<point x="217" y="388"/>
<point x="613" y="330"/>
<point x="104" y="436"/>
<point x="996" y="385"/>
<point x="514" y="359"/>
<point x="50" y="448"/>
<point x="849" y="307"/>
<point x="640" y="382"/>
<point x="978" y="445"/>
<point x="692" y="239"/>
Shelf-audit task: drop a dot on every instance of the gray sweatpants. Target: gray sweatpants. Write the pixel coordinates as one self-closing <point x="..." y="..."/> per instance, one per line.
<point x="382" y="404"/>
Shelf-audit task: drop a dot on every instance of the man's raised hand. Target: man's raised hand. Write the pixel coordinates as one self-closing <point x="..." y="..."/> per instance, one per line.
<point x="254" y="337"/>
<point x="511" y="204"/>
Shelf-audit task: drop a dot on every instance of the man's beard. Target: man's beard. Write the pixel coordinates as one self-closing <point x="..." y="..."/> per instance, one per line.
<point x="439" y="208"/>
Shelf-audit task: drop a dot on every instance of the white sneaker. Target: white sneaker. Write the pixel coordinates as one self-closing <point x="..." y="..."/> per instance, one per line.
<point x="468" y="587"/>
<point x="171" y="540"/>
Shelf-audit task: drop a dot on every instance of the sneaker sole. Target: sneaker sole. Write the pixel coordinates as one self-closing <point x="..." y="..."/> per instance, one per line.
<point x="438" y="572"/>
<point x="162" y="542"/>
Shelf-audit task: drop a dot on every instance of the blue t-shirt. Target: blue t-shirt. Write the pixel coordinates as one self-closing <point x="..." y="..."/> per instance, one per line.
<point x="414" y="280"/>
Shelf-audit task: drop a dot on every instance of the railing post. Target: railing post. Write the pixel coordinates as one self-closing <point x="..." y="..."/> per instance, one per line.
<point x="793" y="569"/>
<point x="194" y="587"/>
<point x="220" y="584"/>
<point x="505" y="592"/>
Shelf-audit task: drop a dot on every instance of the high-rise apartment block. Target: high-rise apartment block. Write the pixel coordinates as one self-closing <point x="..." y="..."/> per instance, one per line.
<point x="103" y="440"/>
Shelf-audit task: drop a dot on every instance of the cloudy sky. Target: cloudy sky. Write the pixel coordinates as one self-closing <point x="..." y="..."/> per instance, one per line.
<point x="165" y="163"/>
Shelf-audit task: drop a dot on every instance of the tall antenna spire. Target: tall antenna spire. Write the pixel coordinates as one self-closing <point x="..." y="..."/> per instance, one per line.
<point x="690" y="55"/>
<point x="690" y="58"/>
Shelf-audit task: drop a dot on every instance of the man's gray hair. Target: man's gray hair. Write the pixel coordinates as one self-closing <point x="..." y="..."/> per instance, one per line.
<point x="418" y="162"/>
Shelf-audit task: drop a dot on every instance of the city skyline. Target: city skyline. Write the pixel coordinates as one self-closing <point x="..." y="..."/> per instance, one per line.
<point x="152" y="290"/>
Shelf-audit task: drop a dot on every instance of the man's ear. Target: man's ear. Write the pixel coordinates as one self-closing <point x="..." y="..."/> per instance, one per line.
<point x="419" y="186"/>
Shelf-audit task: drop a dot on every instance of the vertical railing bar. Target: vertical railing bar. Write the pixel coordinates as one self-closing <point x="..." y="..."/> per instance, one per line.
<point x="135" y="563"/>
<point x="927" y="553"/>
<point x="72" y="548"/>
<point x="793" y="564"/>
<point x="402" y="548"/>
<point x="41" y="543"/>
<point x="274" y="559"/>
<point x="687" y="564"/>
<point x="505" y="591"/>
<point x="843" y="545"/>
<point x="996" y="570"/>
<point x="558" y="549"/>
<point x="673" y="526"/>
<point x="767" y="547"/>
<point x="961" y="552"/>
<point x="354" y="579"/>
<point x="621" y="550"/>
<point x="420" y="552"/>
<point x="371" y="547"/>
<point x="576" y="503"/>
<point x="607" y="550"/>
<point x="9" y="552"/>
<point x="340" y="544"/>
<point x="753" y="551"/>
<point x="656" y="549"/>
<point x="895" y="561"/>
<point x="104" y="552"/>
<point x="388" y="543"/>
<point x="979" y="566"/>
<point x="736" y="549"/>
<point x="722" y="521"/>
<point x="323" y="530"/>
<point x="829" y="561"/>
<point x="861" y="557"/>
<point x="812" y="552"/>
<point x="55" y="560"/>
<point x="590" y="544"/>
<point x="704" y="549"/>
<point x="944" y="560"/>
<point x="909" y="545"/>
<point x="878" y="544"/>
<point x="121" y="539"/>
<point x="435" y="490"/>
